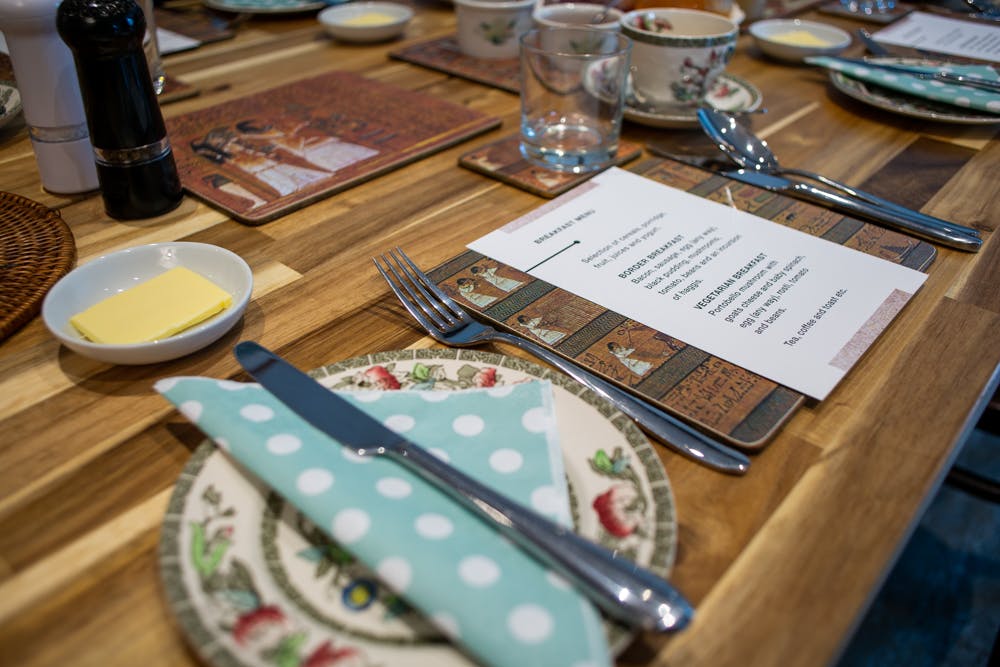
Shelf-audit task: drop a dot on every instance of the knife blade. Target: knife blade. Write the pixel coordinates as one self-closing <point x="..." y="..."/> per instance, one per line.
<point x="947" y="77"/>
<point x="621" y="588"/>
<point x="829" y="199"/>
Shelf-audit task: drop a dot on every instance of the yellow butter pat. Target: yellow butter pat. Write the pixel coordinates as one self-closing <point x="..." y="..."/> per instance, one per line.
<point x="156" y="309"/>
<point x="369" y="19"/>
<point x="799" y="38"/>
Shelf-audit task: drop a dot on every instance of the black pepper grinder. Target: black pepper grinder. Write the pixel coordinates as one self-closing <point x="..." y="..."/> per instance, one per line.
<point x="135" y="165"/>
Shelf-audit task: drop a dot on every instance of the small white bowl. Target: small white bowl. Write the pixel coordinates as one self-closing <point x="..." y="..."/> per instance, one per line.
<point x="767" y="34"/>
<point x="110" y="274"/>
<point x="366" y="21"/>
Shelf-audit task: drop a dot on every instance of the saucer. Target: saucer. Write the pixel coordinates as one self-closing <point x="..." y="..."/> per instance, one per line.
<point x="729" y="93"/>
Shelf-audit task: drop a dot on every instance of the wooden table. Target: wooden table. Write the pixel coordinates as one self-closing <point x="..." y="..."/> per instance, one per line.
<point x="781" y="563"/>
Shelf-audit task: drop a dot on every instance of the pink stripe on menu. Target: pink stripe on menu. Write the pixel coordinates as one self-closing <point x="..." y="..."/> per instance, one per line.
<point x="870" y="330"/>
<point x="550" y="206"/>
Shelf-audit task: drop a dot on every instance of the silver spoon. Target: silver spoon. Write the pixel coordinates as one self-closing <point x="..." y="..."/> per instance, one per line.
<point x="750" y="152"/>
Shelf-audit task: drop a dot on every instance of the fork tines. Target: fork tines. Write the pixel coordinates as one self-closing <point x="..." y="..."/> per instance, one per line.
<point x="434" y="309"/>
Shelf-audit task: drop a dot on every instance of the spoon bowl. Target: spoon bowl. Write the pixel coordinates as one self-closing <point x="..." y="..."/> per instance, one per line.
<point x="736" y="141"/>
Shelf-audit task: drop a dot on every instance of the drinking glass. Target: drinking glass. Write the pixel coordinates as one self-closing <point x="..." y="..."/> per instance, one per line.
<point x="572" y="97"/>
<point x="151" y="47"/>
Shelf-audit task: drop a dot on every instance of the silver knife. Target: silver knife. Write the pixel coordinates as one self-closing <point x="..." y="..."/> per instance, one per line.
<point x="947" y="77"/>
<point x="621" y="588"/>
<point x="807" y="192"/>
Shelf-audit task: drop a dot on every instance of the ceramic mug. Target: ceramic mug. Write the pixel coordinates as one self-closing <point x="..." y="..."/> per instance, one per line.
<point x="490" y="29"/>
<point x="677" y="56"/>
<point x="577" y="15"/>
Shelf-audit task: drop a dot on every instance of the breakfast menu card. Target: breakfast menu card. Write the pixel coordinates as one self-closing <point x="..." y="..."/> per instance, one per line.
<point x="941" y="34"/>
<point x="789" y="306"/>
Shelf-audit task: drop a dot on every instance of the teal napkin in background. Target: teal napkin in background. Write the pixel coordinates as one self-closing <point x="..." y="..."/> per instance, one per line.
<point x="481" y="591"/>
<point x="939" y="91"/>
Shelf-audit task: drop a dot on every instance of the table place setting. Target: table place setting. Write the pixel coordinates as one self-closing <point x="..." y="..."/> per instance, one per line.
<point x="414" y="538"/>
<point x="973" y="87"/>
<point x="461" y="455"/>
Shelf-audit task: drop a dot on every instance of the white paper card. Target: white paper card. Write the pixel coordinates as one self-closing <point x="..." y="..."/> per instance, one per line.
<point x="940" y="34"/>
<point x="169" y="42"/>
<point x="789" y="306"/>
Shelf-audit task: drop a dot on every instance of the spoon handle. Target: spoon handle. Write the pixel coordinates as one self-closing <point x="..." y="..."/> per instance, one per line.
<point x="902" y="211"/>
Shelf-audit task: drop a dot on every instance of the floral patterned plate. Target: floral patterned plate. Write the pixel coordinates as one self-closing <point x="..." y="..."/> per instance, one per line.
<point x="908" y="105"/>
<point x="729" y="93"/>
<point x="253" y="582"/>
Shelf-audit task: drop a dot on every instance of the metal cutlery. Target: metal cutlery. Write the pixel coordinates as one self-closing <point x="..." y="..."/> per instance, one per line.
<point x="750" y="152"/>
<point x="623" y="589"/>
<point x="828" y="199"/>
<point x="953" y="78"/>
<point x="447" y="322"/>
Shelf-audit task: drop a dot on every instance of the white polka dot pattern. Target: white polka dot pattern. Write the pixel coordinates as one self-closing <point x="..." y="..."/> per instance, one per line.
<point x="530" y="624"/>
<point x="433" y="526"/>
<point x="472" y="583"/>
<point x="283" y="443"/>
<point x="468" y="425"/>
<point x="393" y="487"/>
<point x="478" y="571"/>
<point x="350" y="525"/>
<point x="314" y="481"/>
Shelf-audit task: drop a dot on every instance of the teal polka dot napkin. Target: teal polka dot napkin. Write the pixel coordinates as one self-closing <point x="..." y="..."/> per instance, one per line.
<point x="939" y="91"/>
<point x="480" y="590"/>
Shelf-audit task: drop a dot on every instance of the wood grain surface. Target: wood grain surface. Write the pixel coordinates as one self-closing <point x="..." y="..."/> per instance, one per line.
<point x="781" y="563"/>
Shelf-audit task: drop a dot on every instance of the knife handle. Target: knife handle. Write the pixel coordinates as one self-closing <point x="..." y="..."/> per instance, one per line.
<point x="882" y="203"/>
<point x="951" y="238"/>
<point x="626" y="591"/>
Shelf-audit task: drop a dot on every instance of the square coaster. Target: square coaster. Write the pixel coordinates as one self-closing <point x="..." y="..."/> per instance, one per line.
<point x="443" y="54"/>
<point x="264" y="155"/>
<point x="503" y="161"/>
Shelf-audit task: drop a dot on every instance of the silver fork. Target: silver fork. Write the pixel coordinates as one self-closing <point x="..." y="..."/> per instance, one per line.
<point x="449" y="323"/>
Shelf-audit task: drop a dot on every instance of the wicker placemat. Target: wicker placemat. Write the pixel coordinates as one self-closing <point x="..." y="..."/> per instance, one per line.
<point x="36" y="250"/>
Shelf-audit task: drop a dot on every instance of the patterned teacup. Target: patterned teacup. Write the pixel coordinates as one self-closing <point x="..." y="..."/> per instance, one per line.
<point x="677" y="55"/>
<point x="490" y="29"/>
<point x="577" y="15"/>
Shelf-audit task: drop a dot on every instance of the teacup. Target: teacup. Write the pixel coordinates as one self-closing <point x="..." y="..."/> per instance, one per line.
<point x="677" y="55"/>
<point x="577" y="15"/>
<point x="490" y="29"/>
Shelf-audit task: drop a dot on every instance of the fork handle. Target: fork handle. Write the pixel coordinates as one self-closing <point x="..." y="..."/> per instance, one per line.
<point x="900" y="210"/>
<point x="620" y="587"/>
<point x="666" y="428"/>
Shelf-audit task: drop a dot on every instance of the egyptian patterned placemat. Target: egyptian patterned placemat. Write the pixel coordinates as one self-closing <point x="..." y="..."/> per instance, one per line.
<point x="262" y="156"/>
<point x="442" y="54"/>
<point x="503" y="161"/>
<point x="36" y="250"/>
<point x="736" y="405"/>
<point x="195" y="22"/>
